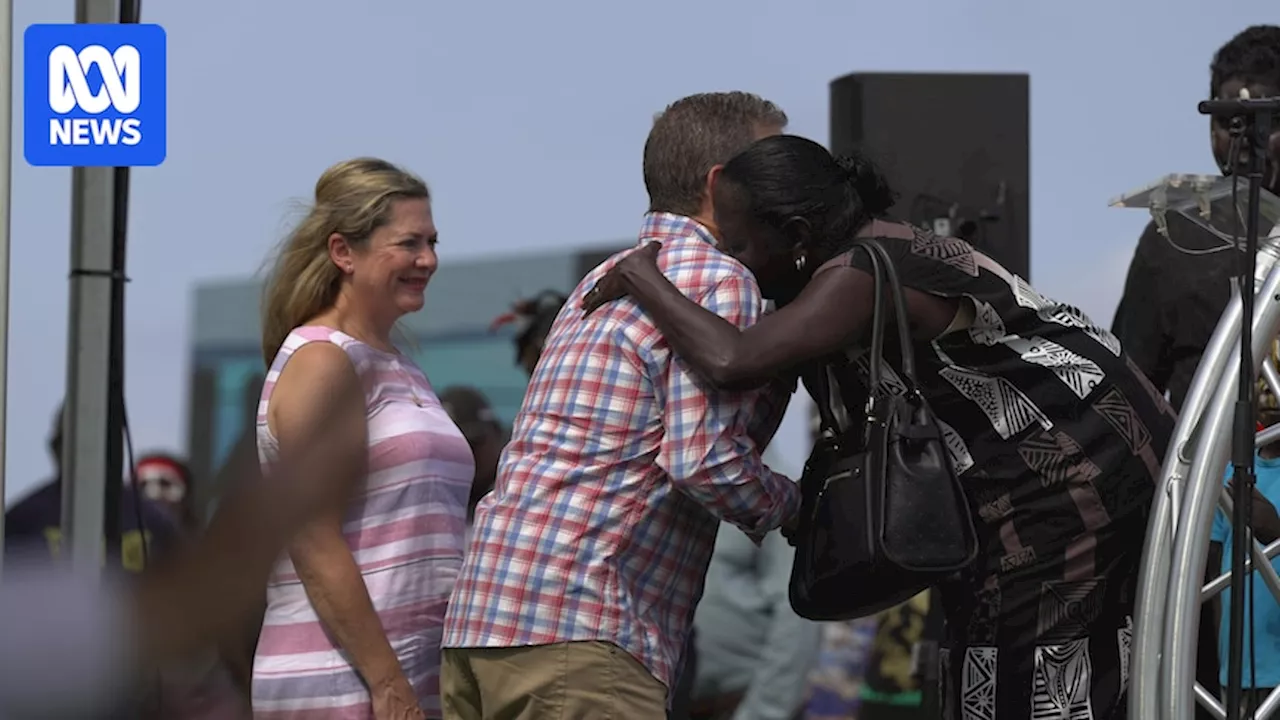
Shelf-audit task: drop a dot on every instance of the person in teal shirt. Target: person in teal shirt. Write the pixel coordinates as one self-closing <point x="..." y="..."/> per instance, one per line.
<point x="1265" y="629"/>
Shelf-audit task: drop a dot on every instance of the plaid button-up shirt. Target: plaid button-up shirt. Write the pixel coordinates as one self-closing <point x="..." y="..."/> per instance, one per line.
<point x="621" y="463"/>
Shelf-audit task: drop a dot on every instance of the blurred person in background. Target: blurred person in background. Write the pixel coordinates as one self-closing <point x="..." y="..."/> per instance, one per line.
<point x="1261" y="655"/>
<point x="37" y="519"/>
<point x="237" y="647"/>
<point x="1178" y="287"/>
<point x="836" y="682"/>
<point x="589" y="556"/>
<point x="892" y="687"/>
<point x="149" y="533"/>
<point x="352" y="625"/>
<point x="754" y="652"/>
<point x="533" y="318"/>
<point x="471" y="412"/>
<point x="165" y="480"/>
<point x="206" y="687"/>
<point x="107" y="639"/>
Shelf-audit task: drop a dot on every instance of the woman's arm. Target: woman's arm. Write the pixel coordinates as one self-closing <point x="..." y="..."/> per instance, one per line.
<point x="319" y="386"/>
<point x="829" y="315"/>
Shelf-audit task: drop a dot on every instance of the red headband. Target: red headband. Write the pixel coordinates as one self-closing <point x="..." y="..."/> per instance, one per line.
<point x="172" y="466"/>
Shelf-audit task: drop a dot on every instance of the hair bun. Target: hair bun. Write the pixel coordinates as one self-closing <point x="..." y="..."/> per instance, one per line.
<point x="870" y="184"/>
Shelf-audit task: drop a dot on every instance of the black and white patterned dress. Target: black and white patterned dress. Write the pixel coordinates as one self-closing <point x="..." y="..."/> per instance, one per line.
<point x="1058" y="439"/>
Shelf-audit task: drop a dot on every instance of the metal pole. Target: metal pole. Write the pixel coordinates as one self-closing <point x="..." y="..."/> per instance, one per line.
<point x="116" y="416"/>
<point x="6" y="160"/>
<point x="89" y="346"/>
<point x="1203" y="487"/>
<point x="1151" y="648"/>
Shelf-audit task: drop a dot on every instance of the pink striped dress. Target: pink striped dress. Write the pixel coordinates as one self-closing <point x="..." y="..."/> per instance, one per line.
<point x="405" y="528"/>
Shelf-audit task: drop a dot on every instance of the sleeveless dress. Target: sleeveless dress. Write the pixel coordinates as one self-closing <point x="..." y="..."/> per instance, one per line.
<point x="1058" y="438"/>
<point x="405" y="528"/>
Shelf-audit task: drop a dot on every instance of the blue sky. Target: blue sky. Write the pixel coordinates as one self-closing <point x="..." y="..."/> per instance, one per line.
<point x="528" y="120"/>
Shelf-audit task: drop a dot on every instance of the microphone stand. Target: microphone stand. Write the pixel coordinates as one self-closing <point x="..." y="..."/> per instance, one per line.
<point x="1250" y="121"/>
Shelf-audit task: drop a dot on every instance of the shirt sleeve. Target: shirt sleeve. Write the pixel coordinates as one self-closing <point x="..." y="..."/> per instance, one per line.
<point x="789" y="653"/>
<point x="770" y="410"/>
<point x="714" y="438"/>
<point x="1139" y="320"/>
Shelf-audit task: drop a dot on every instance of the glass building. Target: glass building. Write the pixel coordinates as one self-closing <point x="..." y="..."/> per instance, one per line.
<point x="450" y="339"/>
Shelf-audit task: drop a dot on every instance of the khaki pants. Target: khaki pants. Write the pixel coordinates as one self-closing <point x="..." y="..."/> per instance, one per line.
<point x="564" y="681"/>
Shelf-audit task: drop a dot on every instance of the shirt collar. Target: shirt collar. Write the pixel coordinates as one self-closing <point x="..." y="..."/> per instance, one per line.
<point x="662" y="226"/>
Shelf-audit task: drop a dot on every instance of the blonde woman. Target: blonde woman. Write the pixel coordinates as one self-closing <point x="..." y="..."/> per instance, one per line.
<point x="352" y="626"/>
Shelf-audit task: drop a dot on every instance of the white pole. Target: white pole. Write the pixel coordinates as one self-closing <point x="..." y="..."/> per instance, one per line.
<point x="84" y="452"/>
<point x="6" y="160"/>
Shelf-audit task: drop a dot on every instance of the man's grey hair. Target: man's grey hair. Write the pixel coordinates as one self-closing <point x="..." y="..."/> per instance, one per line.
<point x="693" y="135"/>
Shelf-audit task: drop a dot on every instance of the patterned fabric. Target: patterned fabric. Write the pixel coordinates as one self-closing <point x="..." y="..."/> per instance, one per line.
<point x="1171" y="305"/>
<point x="405" y="530"/>
<point x="1059" y="438"/>
<point x="604" y="515"/>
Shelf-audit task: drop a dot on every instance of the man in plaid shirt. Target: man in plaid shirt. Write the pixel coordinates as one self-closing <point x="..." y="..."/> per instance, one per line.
<point x="588" y="558"/>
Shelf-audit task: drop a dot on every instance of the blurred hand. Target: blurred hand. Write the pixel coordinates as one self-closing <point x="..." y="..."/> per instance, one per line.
<point x="791" y="526"/>
<point x="789" y="530"/>
<point x="613" y="285"/>
<point x="396" y="701"/>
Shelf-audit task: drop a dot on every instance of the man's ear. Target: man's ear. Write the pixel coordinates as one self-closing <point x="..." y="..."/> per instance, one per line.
<point x="707" y="212"/>
<point x="713" y="176"/>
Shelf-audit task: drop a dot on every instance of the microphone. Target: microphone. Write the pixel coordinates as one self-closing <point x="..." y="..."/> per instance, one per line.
<point x="1239" y="107"/>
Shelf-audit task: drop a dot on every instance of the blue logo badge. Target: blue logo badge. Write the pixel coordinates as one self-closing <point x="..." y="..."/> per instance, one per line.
<point x="94" y="95"/>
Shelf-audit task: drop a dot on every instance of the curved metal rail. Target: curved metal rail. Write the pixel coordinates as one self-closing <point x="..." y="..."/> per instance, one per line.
<point x="1171" y="585"/>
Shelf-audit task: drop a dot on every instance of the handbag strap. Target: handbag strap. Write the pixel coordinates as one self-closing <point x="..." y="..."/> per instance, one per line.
<point x="822" y="384"/>
<point x="829" y="426"/>
<point x="878" y="320"/>
<point x="884" y="274"/>
<point x="888" y="283"/>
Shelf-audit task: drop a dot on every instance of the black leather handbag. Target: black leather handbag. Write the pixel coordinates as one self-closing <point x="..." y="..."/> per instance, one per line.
<point x="883" y="515"/>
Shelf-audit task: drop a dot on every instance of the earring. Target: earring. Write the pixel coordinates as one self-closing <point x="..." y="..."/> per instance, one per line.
<point x="800" y="263"/>
<point x="348" y="269"/>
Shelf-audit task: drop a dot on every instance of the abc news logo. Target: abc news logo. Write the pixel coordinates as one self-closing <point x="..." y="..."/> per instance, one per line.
<point x="95" y="95"/>
<point x="121" y="90"/>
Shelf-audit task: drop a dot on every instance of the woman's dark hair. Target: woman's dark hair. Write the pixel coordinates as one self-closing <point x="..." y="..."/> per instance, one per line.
<point x="786" y="176"/>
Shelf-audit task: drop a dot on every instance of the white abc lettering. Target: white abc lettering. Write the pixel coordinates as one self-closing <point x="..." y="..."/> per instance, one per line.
<point x="95" y="131"/>
<point x="68" y="86"/>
